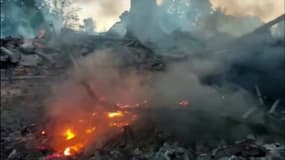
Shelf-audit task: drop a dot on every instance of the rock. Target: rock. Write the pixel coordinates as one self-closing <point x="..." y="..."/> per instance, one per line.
<point x="30" y="60"/>
<point x="204" y="157"/>
<point x="12" y="154"/>
<point x="137" y="152"/>
<point x="116" y="154"/>
<point x="246" y="149"/>
<point x="276" y="150"/>
<point x="172" y="152"/>
<point x="251" y="137"/>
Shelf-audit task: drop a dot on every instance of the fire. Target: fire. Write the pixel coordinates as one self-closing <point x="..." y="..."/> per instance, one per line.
<point x="115" y="124"/>
<point x="84" y="130"/>
<point x="90" y="130"/>
<point x="69" y="134"/>
<point x="184" y="103"/>
<point x="69" y="151"/>
<point x="43" y="132"/>
<point x="115" y="114"/>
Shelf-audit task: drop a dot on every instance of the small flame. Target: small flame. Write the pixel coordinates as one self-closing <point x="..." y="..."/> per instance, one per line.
<point x="69" y="151"/>
<point x="69" y="134"/>
<point x="115" y="114"/>
<point x="120" y="124"/>
<point x="90" y="130"/>
<point x="74" y="137"/>
<point x="43" y="133"/>
<point x="184" y="103"/>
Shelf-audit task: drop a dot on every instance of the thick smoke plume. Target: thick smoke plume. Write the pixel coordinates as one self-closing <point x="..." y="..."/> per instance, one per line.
<point x="104" y="73"/>
<point x="217" y="79"/>
<point x="192" y="16"/>
<point x="171" y="15"/>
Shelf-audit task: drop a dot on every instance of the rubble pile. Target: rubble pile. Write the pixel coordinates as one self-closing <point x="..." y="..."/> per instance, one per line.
<point x="30" y="67"/>
<point x="158" y="145"/>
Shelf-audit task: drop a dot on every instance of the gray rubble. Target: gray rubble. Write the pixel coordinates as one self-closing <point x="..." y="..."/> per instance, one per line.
<point x="32" y="71"/>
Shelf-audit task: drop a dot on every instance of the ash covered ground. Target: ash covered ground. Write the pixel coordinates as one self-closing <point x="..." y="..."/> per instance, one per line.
<point x="152" y="87"/>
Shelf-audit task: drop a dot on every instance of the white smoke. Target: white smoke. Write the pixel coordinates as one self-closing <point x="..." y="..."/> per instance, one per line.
<point x="266" y="10"/>
<point x="104" y="13"/>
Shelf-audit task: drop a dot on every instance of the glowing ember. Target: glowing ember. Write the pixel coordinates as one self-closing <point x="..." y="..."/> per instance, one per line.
<point x="125" y="106"/>
<point x="69" y="134"/>
<point x="184" y="103"/>
<point x="43" y="133"/>
<point x="53" y="156"/>
<point x="90" y="130"/>
<point x="86" y="129"/>
<point x="69" y="151"/>
<point x="121" y="124"/>
<point x="115" y="114"/>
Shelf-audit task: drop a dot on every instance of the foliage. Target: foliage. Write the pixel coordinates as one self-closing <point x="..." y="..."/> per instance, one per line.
<point x="27" y="17"/>
<point x="65" y="9"/>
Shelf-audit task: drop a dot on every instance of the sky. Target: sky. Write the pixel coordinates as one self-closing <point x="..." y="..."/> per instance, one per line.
<point x="265" y="9"/>
<point x="106" y="12"/>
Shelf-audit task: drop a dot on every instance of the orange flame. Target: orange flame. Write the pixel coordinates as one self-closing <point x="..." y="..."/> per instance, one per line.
<point x="69" y="134"/>
<point x="90" y="130"/>
<point x="69" y="151"/>
<point x="43" y="132"/>
<point x="115" y="114"/>
<point x="119" y="124"/>
<point x="73" y="139"/>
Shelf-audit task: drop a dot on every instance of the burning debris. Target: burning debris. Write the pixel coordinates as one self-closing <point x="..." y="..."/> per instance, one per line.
<point x="156" y="93"/>
<point x="184" y="103"/>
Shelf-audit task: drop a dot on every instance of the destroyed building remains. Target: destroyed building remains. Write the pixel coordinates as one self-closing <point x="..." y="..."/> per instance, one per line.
<point x="168" y="81"/>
